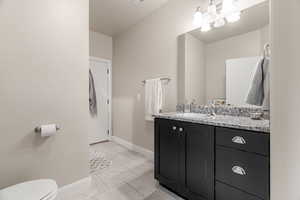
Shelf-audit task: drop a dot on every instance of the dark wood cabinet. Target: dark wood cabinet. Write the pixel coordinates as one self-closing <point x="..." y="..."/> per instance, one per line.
<point x="246" y="171"/>
<point x="203" y="162"/>
<point x="167" y="153"/>
<point x="242" y="164"/>
<point x="184" y="158"/>
<point x="226" y="192"/>
<point x="254" y="142"/>
<point x="200" y="161"/>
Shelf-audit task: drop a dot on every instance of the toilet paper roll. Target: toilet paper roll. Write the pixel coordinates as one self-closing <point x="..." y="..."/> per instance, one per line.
<point x="48" y="130"/>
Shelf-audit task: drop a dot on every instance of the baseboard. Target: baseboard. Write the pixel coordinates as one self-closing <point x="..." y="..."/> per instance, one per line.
<point x="78" y="187"/>
<point x="147" y="153"/>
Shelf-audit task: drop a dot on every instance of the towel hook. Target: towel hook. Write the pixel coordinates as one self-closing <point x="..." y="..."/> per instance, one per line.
<point x="267" y="50"/>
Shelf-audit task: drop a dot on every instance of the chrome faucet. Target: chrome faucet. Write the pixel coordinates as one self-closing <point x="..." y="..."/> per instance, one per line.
<point x="186" y="107"/>
<point x="192" y="105"/>
<point x="211" y="108"/>
<point x="180" y="108"/>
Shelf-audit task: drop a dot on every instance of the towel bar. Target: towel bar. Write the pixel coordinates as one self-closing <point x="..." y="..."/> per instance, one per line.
<point x="163" y="79"/>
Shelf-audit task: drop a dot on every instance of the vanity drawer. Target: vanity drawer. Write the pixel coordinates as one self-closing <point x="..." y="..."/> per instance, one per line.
<point x="246" y="171"/>
<point x="225" y="192"/>
<point x="243" y="140"/>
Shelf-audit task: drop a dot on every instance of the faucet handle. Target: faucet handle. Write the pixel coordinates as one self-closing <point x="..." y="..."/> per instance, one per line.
<point x="180" y="107"/>
<point x="193" y="102"/>
<point x="193" y="105"/>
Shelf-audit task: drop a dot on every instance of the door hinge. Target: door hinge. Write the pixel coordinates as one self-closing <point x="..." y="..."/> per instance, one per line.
<point x="107" y="132"/>
<point x="107" y="71"/>
<point x="107" y="101"/>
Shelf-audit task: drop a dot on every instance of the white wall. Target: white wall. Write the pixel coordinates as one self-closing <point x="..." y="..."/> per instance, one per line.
<point x="285" y="98"/>
<point x="147" y="50"/>
<point x="216" y="53"/>
<point x="181" y="65"/>
<point x="101" y="45"/>
<point x="194" y="70"/>
<point x="44" y="56"/>
<point x="202" y="68"/>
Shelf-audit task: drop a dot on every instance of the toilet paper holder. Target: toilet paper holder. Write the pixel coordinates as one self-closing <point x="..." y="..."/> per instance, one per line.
<point x="38" y="129"/>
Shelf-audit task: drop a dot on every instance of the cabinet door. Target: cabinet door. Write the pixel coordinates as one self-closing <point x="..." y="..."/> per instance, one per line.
<point x="167" y="153"/>
<point x="200" y="162"/>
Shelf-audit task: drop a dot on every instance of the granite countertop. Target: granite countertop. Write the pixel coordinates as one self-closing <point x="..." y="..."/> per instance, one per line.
<point x="244" y="123"/>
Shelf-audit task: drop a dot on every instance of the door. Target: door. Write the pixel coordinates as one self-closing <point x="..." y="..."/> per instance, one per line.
<point x="199" y="162"/>
<point x="100" y="124"/>
<point x="167" y="153"/>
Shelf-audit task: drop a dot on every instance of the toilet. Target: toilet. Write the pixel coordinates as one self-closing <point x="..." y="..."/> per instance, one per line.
<point x="45" y="189"/>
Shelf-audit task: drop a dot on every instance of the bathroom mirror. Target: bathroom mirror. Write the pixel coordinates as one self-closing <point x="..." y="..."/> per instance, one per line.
<point x="219" y="64"/>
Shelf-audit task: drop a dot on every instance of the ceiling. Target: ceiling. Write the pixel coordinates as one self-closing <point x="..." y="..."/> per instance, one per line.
<point x="252" y="19"/>
<point x="111" y="17"/>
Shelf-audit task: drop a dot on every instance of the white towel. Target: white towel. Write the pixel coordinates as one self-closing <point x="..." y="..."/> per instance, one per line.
<point x="259" y="92"/>
<point x="154" y="97"/>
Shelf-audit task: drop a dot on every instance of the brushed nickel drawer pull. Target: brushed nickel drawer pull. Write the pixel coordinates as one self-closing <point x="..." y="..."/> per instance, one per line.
<point x="239" y="170"/>
<point x="174" y="128"/>
<point x="180" y="129"/>
<point x="238" y="140"/>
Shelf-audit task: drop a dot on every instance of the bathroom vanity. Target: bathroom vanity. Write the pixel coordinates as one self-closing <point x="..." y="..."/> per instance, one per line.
<point x="221" y="154"/>
<point x="213" y="158"/>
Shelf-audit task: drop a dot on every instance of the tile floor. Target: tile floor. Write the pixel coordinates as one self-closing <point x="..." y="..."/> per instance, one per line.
<point x="129" y="177"/>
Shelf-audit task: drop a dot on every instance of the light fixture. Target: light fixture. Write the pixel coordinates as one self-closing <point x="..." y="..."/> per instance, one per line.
<point x="206" y="26"/>
<point x="233" y="17"/>
<point x="198" y="18"/>
<point x="227" y="7"/>
<point x="216" y="14"/>
<point x="212" y="10"/>
<point x="231" y="12"/>
<point x="219" y="22"/>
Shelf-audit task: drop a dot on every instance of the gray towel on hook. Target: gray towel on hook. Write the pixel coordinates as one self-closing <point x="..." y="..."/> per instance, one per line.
<point x="92" y="95"/>
<point x="259" y="92"/>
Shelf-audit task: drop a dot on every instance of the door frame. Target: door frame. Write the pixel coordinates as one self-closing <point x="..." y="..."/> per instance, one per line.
<point x="109" y="64"/>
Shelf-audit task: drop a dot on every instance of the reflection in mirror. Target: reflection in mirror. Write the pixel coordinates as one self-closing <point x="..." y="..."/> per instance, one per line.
<point x="220" y="64"/>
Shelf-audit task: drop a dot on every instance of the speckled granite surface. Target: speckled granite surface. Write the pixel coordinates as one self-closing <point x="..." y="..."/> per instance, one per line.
<point x="244" y="123"/>
<point x="238" y="111"/>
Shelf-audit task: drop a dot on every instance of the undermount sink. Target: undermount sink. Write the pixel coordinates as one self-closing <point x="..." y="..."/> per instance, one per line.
<point x="192" y="115"/>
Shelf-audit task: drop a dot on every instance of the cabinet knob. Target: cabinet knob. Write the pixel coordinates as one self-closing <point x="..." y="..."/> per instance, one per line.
<point x="239" y="170"/>
<point x="238" y="140"/>
<point x="180" y="129"/>
<point x="174" y="128"/>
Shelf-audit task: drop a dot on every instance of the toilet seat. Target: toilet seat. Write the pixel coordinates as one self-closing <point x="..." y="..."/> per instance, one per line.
<point x="33" y="190"/>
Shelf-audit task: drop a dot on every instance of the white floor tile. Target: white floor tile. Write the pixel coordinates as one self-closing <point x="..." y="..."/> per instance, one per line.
<point x="123" y="192"/>
<point x="129" y="177"/>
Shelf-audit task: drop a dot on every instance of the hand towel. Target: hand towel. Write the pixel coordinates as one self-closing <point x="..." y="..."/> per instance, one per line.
<point x="92" y="95"/>
<point x="153" y="98"/>
<point x="259" y="92"/>
<point x="266" y="84"/>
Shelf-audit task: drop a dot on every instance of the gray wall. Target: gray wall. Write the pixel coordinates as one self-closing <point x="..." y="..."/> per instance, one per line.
<point x="44" y="56"/>
<point x="285" y="98"/>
